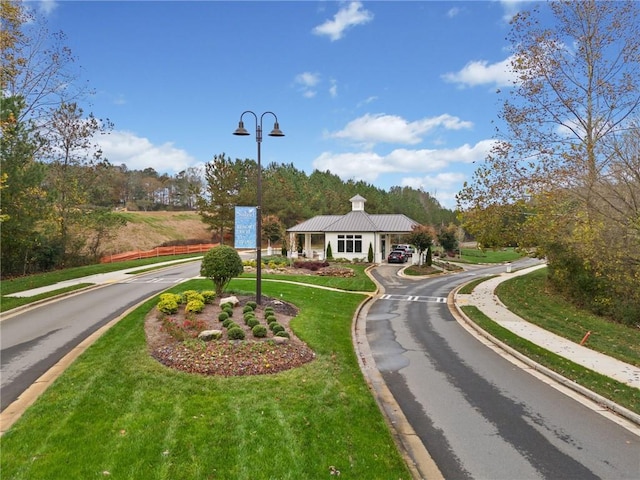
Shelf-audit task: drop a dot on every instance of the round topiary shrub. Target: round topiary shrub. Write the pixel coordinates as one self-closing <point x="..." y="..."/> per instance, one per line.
<point x="268" y="310"/>
<point x="252" y="304"/>
<point x="252" y="322"/>
<point x="282" y="334"/>
<point x="229" y="311"/>
<point x="271" y="319"/>
<point x="247" y="309"/>
<point x="232" y="324"/>
<point x="209" y="296"/>
<point x="227" y="322"/>
<point x="194" y="305"/>
<point x="225" y="306"/>
<point x="171" y="296"/>
<point x="220" y="265"/>
<point x="236" y="333"/>
<point x="259" y="331"/>
<point x="168" y="305"/>
<point x="189" y="295"/>
<point x="222" y="316"/>
<point x="277" y="328"/>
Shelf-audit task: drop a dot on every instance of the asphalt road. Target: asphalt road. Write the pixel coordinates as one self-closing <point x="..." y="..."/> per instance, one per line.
<point x="33" y="341"/>
<point x="479" y="415"/>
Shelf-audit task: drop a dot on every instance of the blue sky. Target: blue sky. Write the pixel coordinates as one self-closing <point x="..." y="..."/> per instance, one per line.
<point x="392" y="93"/>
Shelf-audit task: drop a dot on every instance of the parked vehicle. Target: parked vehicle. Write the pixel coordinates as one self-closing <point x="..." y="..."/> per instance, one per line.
<point x="397" y="256"/>
<point x="406" y="248"/>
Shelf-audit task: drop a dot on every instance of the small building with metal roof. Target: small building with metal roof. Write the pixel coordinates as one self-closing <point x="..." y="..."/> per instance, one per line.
<point x="351" y="234"/>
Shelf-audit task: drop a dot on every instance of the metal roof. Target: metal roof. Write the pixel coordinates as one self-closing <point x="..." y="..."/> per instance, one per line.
<point x="357" y="221"/>
<point x="316" y="224"/>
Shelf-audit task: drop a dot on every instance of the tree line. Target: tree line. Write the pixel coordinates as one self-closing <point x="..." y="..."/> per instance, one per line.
<point x="60" y="197"/>
<point x="564" y="175"/>
<point x="290" y="196"/>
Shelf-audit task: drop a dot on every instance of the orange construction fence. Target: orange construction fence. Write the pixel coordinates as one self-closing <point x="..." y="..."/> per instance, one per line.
<point x="158" y="252"/>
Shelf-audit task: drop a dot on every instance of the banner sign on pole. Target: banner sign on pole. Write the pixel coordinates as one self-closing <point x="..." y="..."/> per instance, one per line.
<point x="245" y="231"/>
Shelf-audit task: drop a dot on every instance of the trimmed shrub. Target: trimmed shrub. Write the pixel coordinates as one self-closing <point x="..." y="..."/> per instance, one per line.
<point x="220" y="265"/>
<point x="277" y="328"/>
<point x="189" y="295"/>
<point x="168" y="305"/>
<point x="236" y="333"/>
<point x="194" y="305"/>
<point x="271" y="319"/>
<point x="272" y="325"/>
<point x="247" y="309"/>
<point x="224" y="306"/>
<point x="228" y="311"/>
<point x="252" y="322"/>
<point x="282" y="334"/>
<point x="222" y="316"/>
<point x="252" y="304"/>
<point x="259" y="331"/>
<point x="209" y="296"/>
<point x="171" y="296"/>
<point x="226" y="322"/>
<point x="232" y="324"/>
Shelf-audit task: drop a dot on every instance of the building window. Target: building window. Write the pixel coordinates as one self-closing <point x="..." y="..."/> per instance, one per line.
<point x="350" y="243"/>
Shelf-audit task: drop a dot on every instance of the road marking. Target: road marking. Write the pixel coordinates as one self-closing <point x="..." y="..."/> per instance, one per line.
<point x="413" y="298"/>
<point x="156" y="280"/>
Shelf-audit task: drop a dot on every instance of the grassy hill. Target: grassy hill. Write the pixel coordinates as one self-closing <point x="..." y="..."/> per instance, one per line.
<point x="146" y="230"/>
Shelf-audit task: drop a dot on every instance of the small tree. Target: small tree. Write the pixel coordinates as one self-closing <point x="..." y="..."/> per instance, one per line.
<point x="220" y="265"/>
<point x="447" y="238"/>
<point x="370" y="254"/>
<point x="422" y="237"/>
<point x="329" y="252"/>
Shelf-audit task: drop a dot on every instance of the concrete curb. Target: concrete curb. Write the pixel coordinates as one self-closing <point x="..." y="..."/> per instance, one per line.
<point x="417" y="458"/>
<point x="556" y="377"/>
<point x="16" y="409"/>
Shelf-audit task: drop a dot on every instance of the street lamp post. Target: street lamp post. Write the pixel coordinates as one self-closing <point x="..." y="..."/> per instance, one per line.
<point x="276" y="132"/>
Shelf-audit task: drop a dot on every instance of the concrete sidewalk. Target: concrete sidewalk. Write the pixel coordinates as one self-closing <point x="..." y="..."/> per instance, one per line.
<point x="98" y="279"/>
<point x="484" y="298"/>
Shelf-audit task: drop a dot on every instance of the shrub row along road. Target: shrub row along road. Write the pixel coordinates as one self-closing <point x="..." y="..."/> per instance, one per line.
<point x="34" y="340"/>
<point x="478" y="414"/>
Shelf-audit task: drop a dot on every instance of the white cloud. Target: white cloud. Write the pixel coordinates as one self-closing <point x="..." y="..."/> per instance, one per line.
<point x="511" y="7"/>
<point x="333" y="89"/>
<point x="47" y="6"/>
<point x="369" y="165"/>
<point x="453" y="12"/>
<point x="138" y="153"/>
<point x="371" y="129"/>
<point x="443" y="186"/>
<point x="480" y="72"/>
<point x="349" y="16"/>
<point x="308" y="79"/>
<point x="365" y="166"/>
<point x="307" y="82"/>
<point x="366" y="101"/>
<point x="425" y="168"/>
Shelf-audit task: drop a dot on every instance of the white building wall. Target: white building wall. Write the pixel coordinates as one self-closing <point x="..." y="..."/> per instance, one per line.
<point x="367" y="238"/>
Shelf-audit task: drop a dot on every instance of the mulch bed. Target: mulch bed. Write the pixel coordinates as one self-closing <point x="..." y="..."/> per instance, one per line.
<point x="224" y="357"/>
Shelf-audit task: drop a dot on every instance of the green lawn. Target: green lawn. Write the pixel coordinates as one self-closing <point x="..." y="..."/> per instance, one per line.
<point x="21" y="284"/>
<point x="473" y="255"/>
<point x="529" y="297"/>
<point x="118" y="413"/>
